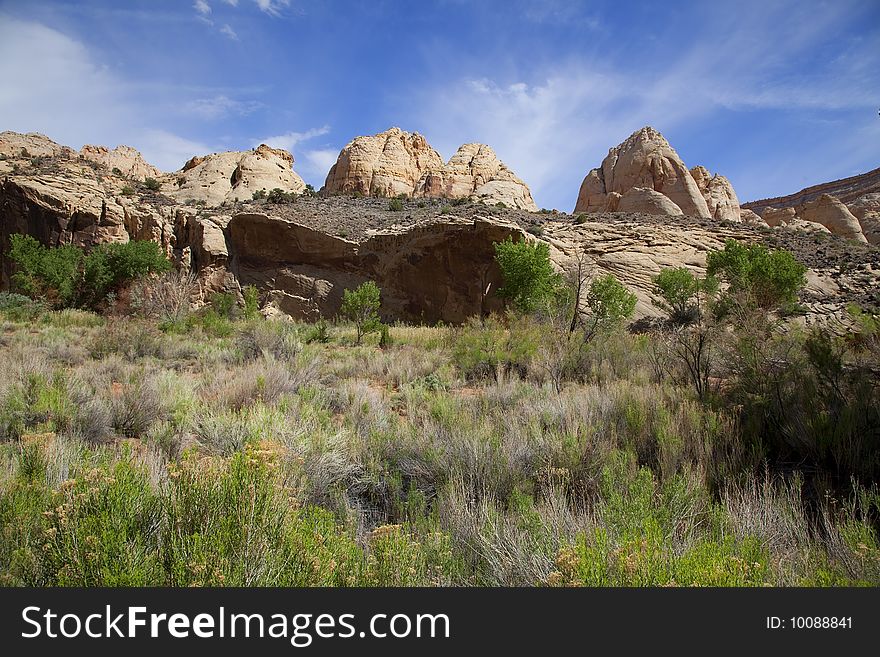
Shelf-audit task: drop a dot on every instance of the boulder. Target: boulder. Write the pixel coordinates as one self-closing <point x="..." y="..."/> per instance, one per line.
<point x="644" y="160"/>
<point x="778" y="216"/>
<point x="834" y="215"/>
<point x="32" y="144"/>
<point x="647" y="201"/>
<point x="234" y="176"/>
<point x="749" y="217"/>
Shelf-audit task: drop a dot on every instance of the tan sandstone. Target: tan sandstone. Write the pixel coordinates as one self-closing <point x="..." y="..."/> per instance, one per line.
<point x="834" y="215"/>
<point x="128" y="160"/>
<point x="644" y="159"/>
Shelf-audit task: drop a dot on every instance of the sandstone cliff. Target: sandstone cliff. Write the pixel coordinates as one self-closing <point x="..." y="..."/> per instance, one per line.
<point x="396" y="162"/>
<point x="645" y="160"/>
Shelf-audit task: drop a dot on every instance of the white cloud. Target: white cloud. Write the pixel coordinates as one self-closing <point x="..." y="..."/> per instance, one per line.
<point x="220" y="106"/>
<point x="272" y="7"/>
<point x="61" y="91"/>
<point x="202" y="8"/>
<point x="314" y="165"/>
<point x="553" y="130"/>
<point x="290" y="139"/>
<point x="168" y="151"/>
<point x="228" y="32"/>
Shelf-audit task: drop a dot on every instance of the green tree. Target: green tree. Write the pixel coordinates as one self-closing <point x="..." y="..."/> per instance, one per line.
<point x="251" y="302"/>
<point x="529" y="278"/>
<point x="758" y="276"/>
<point x="361" y="306"/>
<point x="680" y="293"/>
<point x="152" y="184"/>
<point x="609" y="302"/>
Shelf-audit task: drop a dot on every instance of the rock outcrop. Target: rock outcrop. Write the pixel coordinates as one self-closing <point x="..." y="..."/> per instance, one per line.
<point x="126" y="159"/>
<point x="645" y="160"/>
<point x="396" y="162"/>
<point x="476" y="172"/>
<point x="642" y="199"/>
<point x="33" y="144"/>
<point x="432" y="271"/>
<point x="834" y="215"/>
<point x="718" y="193"/>
<point x="774" y="217"/>
<point x="387" y="164"/>
<point x="233" y="176"/>
<point x="847" y="190"/>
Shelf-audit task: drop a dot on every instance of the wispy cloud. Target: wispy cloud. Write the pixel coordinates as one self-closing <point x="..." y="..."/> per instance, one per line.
<point x="315" y="164"/>
<point x="228" y="32"/>
<point x="290" y="139"/>
<point x="556" y="127"/>
<point x="272" y="7"/>
<point x="202" y="8"/>
<point x="220" y="106"/>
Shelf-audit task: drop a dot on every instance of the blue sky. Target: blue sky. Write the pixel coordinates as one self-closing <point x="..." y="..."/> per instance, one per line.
<point x="774" y="95"/>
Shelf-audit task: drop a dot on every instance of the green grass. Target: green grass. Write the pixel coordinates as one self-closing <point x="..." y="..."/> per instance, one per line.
<point x="251" y="452"/>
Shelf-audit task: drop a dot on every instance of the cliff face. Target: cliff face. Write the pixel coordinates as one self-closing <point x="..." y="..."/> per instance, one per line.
<point x="847" y="190"/>
<point x="433" y="261"/>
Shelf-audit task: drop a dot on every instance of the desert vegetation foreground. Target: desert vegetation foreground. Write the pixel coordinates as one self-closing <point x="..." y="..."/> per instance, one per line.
<point x="155" y="444"/>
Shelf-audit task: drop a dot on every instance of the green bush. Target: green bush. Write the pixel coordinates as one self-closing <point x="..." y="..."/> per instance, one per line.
<point x="258" y="195"/>
<point x="609" y="301"/>
<point x="680" y="293"/>
<point x="361" y="306"/>
<point x="395" y="205"/>
<point x="529" y="278"/>
<point x="152" y="184"/>
<point x="251" y="302"/>
<point x="760" y="276"/>
<point x="67" y="276"/>
<point x="127" y="190"/>
<point x="279" y="196"/>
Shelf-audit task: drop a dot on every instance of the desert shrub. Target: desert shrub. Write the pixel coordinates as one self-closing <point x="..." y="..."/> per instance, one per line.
<point x="361" y="306"/>
<point x="166" y="297"/>
<point x="251" y="296"/>
<point x="318" y="332"/>
<point x="274" y="338"/>
<point x="529" y="278"/>
<point x="395" y="205"/>
<point x="446" y="209"/>
<point x="258" y="195"/>
<point x="764" y="277"/>
<point x="67" y="276"/>
<point x="152" y="184"/>
<point x="19" y="308"/>
<point x="127" y="190"/>
<point x="279" y="196"/>
<point x="116" y="171"/>
<point x="490" y="349"/>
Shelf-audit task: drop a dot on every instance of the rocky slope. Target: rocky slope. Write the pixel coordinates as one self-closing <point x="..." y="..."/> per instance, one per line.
<point x="849" y="207"/>
<point x="395" y="163"/>
<point x="433" y="259"/>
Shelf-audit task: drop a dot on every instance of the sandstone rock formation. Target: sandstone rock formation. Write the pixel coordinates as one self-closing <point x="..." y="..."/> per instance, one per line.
<point x="476" y="172"/>
<point x="847" y="190"/>
<point x="778" y="216"/>
<point x="32" y="144"/>
<point x="749" y="217"/>
<point x="866" y="209"/>
<point x="834" y="215"/>
<point x="125" y="158"/>
<point x="432" y="271"/>
<point x="395" y="162"/>
<point x="642" y="199"/>
<point x="431" y="265"/>
<point x="234" y="176"/>
<point x="718" y="193"/>
<point x="646" y="160"/>
<point x="386" y="164"/>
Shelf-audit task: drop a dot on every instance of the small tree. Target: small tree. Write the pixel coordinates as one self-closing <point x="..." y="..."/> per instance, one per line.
<point x="609" y="302"/>
<point x="251" y="302"/>
<point x="529" y="278"/>
<point x="361" y="306"/>
<point x="681" y="293"/>
<point x="152" y="184"/>
<point x="758" y="276"/>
